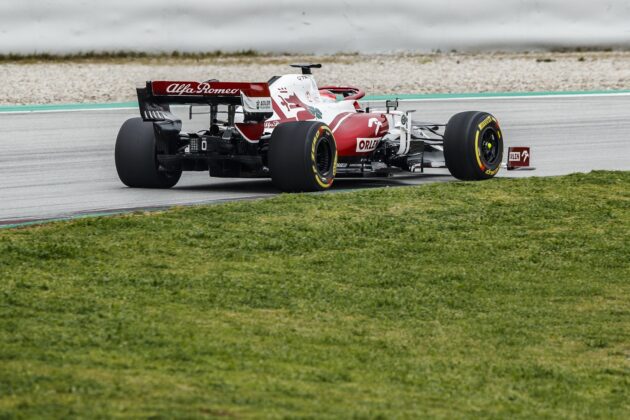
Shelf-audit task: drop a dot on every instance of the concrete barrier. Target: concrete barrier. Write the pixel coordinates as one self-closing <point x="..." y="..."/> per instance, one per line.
<point x="322" y="26"/>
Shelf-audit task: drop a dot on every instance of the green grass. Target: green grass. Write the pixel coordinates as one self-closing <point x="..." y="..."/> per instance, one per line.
<point x="501" y="299"/>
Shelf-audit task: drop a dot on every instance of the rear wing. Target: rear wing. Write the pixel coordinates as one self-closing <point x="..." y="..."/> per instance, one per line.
<point x="155" y="99"/>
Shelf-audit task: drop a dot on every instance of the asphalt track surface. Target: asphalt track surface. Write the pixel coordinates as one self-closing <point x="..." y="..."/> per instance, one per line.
<point x="61" y="164"/>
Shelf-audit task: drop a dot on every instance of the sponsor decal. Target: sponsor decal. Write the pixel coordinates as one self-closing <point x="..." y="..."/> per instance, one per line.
<point x="271" y="124"/>
<point x="375" y="122"/>
<point x="316" y="112"/>
<point x="485" y="122"/>
<point x="263" y="104"/>
<point x="367" y="145"/>
<point x="256" y="104"/>
<point x="293" y="103"/>
<point x="197" y="89"/>
<point x="492" y="172"/>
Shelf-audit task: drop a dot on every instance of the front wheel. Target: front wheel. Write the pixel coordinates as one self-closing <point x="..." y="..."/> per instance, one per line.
<point x="302" y="156"/>
<point x="136" y="157"/>
<point x="473" y="146"/>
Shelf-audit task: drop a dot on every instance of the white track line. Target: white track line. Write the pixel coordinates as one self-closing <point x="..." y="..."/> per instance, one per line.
<point x="499" y="97"/>
<point x="419" y="99"/>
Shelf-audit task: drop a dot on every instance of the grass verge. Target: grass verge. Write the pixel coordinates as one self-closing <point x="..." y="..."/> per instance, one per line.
<point x="502" y="299"/>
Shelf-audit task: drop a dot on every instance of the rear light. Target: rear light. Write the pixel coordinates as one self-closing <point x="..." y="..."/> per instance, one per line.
<point x="194" y="145"/>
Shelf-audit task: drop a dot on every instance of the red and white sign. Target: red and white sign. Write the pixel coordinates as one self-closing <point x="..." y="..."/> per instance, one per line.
<point x="518" y="157"/>
<point x="174" y="88"/>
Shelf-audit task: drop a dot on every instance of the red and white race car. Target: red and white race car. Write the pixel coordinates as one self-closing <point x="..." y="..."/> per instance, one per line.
<point x="299" y="134"/>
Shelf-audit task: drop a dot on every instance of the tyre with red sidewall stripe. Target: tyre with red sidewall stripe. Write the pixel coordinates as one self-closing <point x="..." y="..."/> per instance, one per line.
<point x="473" y="146"/>
<point x="302" y="156"/>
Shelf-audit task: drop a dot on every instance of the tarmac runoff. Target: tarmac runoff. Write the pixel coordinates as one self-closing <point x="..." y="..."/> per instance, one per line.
<point x="57" y="160"/>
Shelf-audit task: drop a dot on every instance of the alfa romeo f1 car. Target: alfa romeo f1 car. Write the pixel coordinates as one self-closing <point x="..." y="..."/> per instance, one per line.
<point x="300" y="135"/>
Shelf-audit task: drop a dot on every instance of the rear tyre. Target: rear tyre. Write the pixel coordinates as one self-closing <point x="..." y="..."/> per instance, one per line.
<point x="136" y="157"/>
<point x="473" y="146"/>
<point x="302" y="156"/>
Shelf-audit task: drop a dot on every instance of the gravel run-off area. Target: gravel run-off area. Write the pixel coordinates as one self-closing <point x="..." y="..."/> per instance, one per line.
<point x="91" y="81"/>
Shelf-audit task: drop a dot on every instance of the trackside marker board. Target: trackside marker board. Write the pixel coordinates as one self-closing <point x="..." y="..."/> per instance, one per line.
<point x="518" y="158"/>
